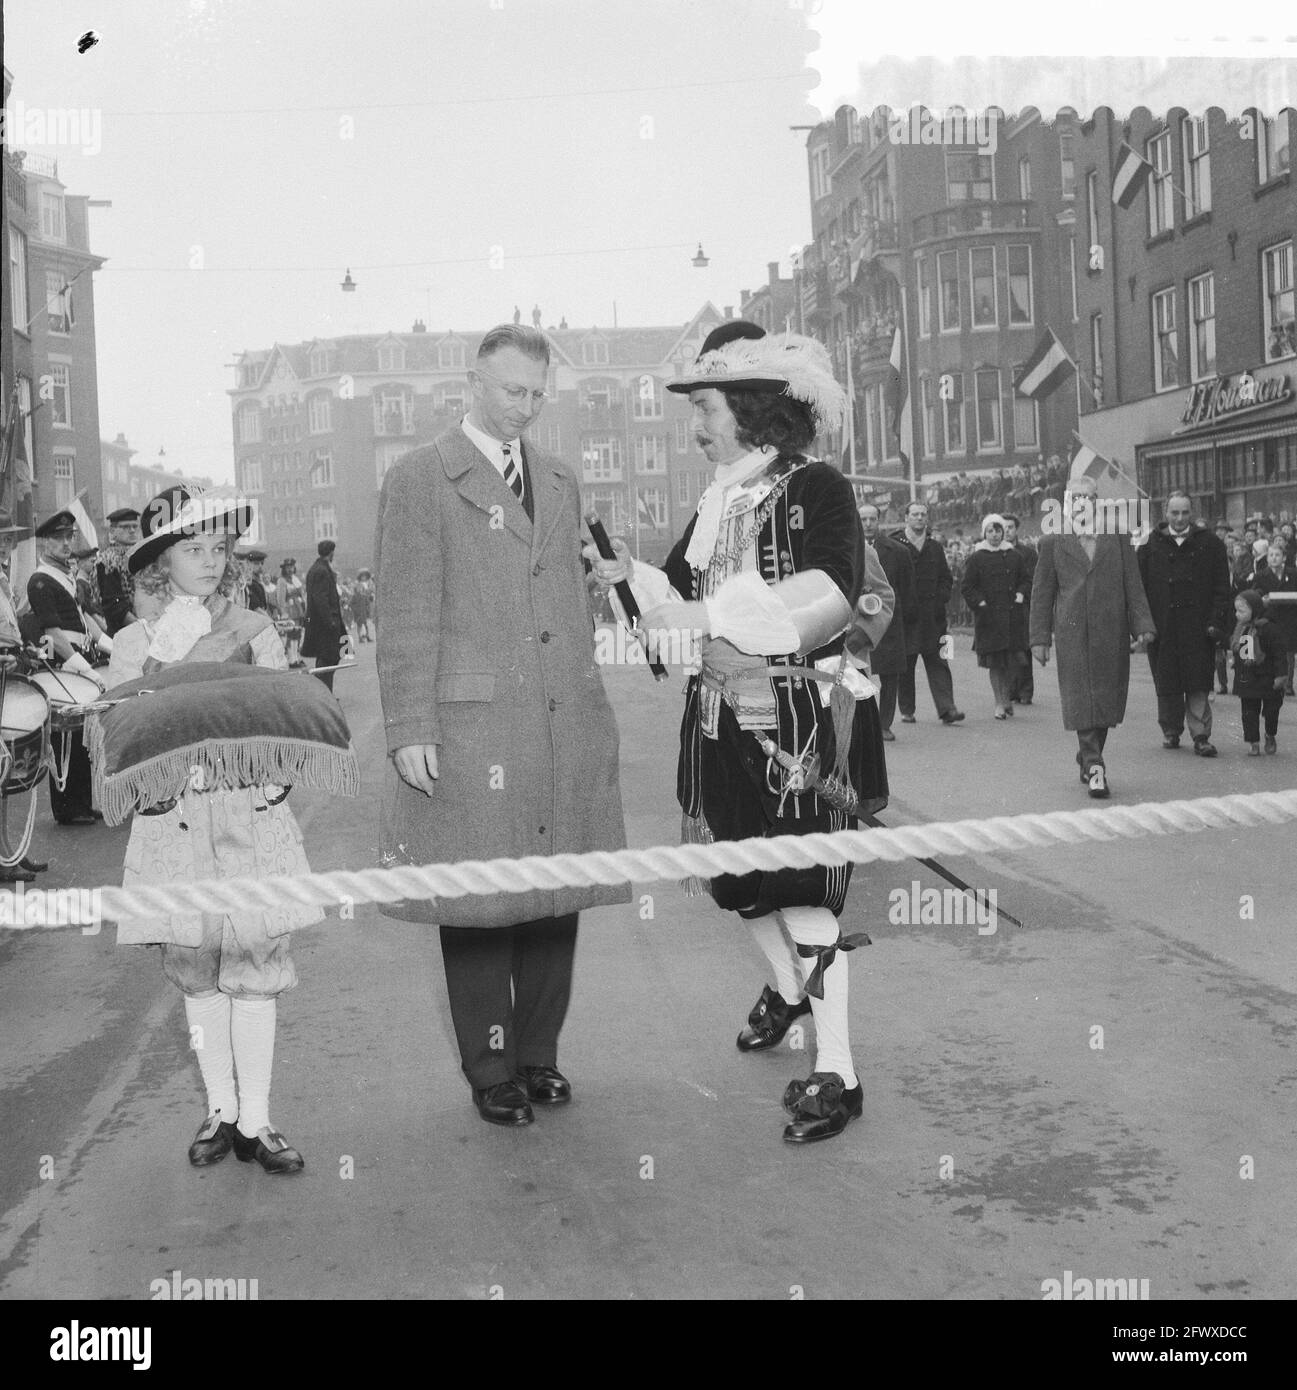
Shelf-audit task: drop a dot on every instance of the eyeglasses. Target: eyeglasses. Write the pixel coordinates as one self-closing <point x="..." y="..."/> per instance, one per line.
<point x="515" y="395"/>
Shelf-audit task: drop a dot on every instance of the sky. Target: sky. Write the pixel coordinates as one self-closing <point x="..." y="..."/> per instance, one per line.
<point x="462" y="157"/>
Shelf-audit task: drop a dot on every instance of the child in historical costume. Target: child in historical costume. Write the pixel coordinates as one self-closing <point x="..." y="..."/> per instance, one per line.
<point x="230" y="969"/>
<point x="781" y="734"/>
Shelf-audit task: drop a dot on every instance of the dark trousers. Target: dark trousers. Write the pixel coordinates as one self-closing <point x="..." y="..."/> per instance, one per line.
<point x="1176" y="710"/>
<point x="940" y="683"/>
<point x="887" y="698"/>
<point x="1252" y="710"/>
<point x="1222" y="671"/>
<point x="75" y="798"/>
<point x="509" y="990"/>
<point x="1091" y="741"/>
<point x="1024" y="683"/>
<point x="327" y="654"/>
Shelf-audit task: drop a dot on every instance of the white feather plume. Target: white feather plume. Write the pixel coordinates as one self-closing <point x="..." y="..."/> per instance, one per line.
<point x="801" y="363"/>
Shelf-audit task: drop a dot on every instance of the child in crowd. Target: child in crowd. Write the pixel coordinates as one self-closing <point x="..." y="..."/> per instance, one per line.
<point x="1260" y="670"/>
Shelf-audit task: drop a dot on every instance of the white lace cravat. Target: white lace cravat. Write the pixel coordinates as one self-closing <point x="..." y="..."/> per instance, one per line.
<point x="711" y="506"/>
<point x="184" y="620"/>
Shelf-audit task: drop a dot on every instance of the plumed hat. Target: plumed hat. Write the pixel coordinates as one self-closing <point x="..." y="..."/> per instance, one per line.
<point x="179" y="511"/>
<point x="786" y="364"/>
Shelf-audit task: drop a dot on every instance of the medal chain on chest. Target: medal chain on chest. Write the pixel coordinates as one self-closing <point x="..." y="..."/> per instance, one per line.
<point x="718" y="565"/>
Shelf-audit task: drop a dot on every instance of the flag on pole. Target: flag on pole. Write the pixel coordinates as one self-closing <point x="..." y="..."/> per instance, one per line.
<point x="1088" y="464"/>
<point x="1130" y="176"/>
<point x="898" y="397"/>
<point x="1045" y="370"/>
<point x="66" y="311"/>
<point x="84" y="524"/>
<point x="645" y="510"/>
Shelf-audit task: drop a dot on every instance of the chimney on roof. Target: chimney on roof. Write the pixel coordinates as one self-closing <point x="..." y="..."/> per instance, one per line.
<point x="121" y="438"/>
<point x="419" y="326"/>
<point x="729" y="311"/>
<point x="772" y="268"/>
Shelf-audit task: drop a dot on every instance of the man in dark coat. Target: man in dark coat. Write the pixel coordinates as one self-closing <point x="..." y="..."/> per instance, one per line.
<point x="933" y="583"/>
<point x="502" y="740"/>
<point x="256" y="585"/>
<point x="887" y="661"/>
<point x="1086" y="596"/>
<point x="324" y="627"/>
<point x="1186" y="577"/>
<point x="113" y="578"/>
<point x="1024" y="681"/>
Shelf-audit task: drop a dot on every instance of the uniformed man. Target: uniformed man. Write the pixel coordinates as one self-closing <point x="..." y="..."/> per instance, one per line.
<point x="113" y="578"/>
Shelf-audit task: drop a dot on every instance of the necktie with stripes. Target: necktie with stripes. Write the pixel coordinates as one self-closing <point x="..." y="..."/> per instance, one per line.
<point x="512" y="474"/>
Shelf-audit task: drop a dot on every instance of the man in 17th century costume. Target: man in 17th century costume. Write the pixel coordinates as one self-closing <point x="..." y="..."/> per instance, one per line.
<point x="781" y="734"/>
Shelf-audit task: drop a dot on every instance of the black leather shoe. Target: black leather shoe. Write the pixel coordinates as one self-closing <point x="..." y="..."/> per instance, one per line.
<point x="1270" y="745"/>
<point x="15" y="873"/>
<point x="1170" y="740"/>
<point x="503" y="1104"/>
<point x="888" y="736"/>
<point x="907" y="719"/>
<point x="771" y="1017"/>
<point x="82" y="818"/>
<point x="545" y="1085"/>
<point x="212" y="1142"/>
<point x="33" y="866"/>
<point x="1204" y="748"/>
<point x="821" y="1106"/>
<point x="952" y="716"/>
<point x="1097" y="781"/>
<point x="270" y="1149"/>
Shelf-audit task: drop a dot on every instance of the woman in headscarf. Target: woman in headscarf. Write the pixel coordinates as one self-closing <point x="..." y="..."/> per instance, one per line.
<point x="995" y="587"/>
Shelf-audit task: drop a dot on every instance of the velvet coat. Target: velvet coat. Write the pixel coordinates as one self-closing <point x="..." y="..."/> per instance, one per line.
<point x="888" y="656"/>
<point x="1089" y="610"/>
<point x="486" y="649"/>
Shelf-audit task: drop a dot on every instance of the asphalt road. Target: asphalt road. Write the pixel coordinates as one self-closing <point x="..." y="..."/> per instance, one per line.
<point x="1004" y="1139"/>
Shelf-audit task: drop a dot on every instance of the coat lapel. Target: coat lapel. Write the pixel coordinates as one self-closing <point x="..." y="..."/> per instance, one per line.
<point x="549" y="485"/>
<point x="478" y="482"/>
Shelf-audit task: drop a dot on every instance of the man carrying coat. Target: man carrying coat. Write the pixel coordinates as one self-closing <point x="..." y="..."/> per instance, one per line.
<point x="1186" y="577"/>
<point x="324" y="630"/>
<point x="502" y="740"/>
<point x="887" y="661"/>
<point x="1087" y="596"/>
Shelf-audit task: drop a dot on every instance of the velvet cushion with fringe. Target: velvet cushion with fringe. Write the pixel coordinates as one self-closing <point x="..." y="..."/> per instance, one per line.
<point x="208" y="725"/>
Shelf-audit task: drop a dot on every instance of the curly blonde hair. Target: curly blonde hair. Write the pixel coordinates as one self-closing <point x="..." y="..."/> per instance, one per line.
<point x="154" y="578"/>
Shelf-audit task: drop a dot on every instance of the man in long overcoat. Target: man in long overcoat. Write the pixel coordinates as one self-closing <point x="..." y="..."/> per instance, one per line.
<point x="324" y="627"/>
<point x="502" y="739"/>
<point x="1024" y="682"/>
<point x="887" y="660"/>
<point x="1186" y="577"/>
<point x="933" y="583"/>
<point x="1086" y="596"/>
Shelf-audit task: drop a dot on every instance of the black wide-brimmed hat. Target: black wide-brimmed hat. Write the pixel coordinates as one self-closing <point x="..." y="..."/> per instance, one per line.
<point x="177" y="512"/>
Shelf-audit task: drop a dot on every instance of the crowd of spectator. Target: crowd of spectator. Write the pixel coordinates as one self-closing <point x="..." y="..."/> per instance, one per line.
<point x="965" y="498"/>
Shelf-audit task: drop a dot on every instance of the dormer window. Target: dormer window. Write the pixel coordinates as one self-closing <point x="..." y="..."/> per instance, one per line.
<point x="594" y="351"/>
<point x="450" y="355"/>
<point x="53" y="224"/>
<point x="391" y="358"/>
<point x="320" y="362"/>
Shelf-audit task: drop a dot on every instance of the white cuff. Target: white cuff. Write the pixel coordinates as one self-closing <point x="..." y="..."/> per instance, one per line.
<point x="650" y="587"/>
<point x="751" y="616"/>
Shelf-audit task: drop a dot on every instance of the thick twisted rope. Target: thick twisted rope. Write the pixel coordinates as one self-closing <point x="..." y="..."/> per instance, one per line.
<point x="1012" y="833"/>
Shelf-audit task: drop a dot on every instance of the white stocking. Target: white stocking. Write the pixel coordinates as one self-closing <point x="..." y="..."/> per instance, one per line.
<point x="773" y="940"/>
<point x="252" y="1028"/>
<point x="817" y="926"/>
<point x="209" y="1035"/>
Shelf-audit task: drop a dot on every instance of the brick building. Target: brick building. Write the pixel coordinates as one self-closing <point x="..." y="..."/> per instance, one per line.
<point x="962" y="233"/>
<point x="51" y="270"/>
<point x="317" y="424"/>
<point x="1192" y="295"/>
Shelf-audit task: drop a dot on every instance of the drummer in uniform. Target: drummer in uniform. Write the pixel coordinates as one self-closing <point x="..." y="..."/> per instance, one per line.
<point x="10" y="642"/>
<point x="73" y="634"/>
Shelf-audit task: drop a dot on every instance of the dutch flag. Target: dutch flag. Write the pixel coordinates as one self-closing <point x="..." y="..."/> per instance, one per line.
<point x="1129" y="177"/>
<point x="1045" y="370"/>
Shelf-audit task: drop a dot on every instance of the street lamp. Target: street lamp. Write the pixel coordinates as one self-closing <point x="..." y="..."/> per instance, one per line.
<point x="700" y="260"/>
<point x="348" y="284"/>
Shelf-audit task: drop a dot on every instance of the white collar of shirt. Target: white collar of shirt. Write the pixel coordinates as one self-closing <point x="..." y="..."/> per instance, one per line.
<point x="491" y="447"/>
<point x="64" y="578"/>
<point x="711" y="505"/>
